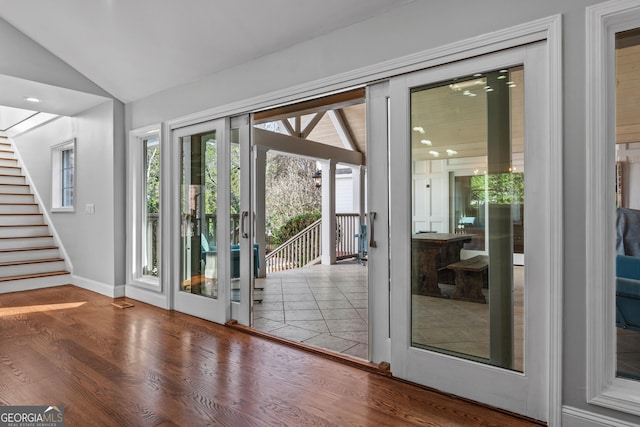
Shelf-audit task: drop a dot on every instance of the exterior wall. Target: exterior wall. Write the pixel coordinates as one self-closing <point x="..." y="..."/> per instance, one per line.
<point x="91" y="241"/>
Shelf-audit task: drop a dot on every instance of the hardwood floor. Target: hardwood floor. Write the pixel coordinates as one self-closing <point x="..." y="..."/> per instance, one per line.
<point x="144" y="366"/>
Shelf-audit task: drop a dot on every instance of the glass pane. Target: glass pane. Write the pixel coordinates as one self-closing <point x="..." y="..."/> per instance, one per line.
<point x="67" y="197"/>
<point x="199" y="260"/>
<point x="627" y="186"/>
<point x="151" y="216"/>
<point x="235" y="214"/>
<point x="467" y="251"/>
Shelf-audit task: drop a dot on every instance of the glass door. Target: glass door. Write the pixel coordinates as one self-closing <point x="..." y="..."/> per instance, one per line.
<point x="214" y="223"/>
<point x="467" y="313"/>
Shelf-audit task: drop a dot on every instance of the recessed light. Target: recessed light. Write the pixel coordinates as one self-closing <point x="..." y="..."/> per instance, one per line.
<point x="419" y="129"/>
<point x="452" y="152"/>
<point x="425" y="142"/>
<point x="502" y="77"/>
<point x="31" y="99"/>
<point x="504" y="71"/>
<point x="434" y="153"/>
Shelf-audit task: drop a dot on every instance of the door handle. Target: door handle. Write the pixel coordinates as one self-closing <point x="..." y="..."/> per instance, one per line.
<point x="243" y="229"/>
<point x="372" y="239"/>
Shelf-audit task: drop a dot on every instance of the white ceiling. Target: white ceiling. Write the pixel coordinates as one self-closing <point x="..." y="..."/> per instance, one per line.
<point x="134" y="48"/>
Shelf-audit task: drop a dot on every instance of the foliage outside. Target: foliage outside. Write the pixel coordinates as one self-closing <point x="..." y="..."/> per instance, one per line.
<point x="503" y="189"/>
<point x="290" y="193"/>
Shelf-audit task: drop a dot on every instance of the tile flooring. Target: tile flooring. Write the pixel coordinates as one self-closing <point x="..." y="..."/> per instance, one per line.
<point x="324" y="306"/>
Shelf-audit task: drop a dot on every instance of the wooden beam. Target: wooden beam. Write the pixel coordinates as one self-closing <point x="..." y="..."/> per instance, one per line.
<point x="331" y="102"/>
<point x="286" y="124"/>
<point x="339" y="122"/>
<point x="305" y="148"/>
<point x="311" y="125"/>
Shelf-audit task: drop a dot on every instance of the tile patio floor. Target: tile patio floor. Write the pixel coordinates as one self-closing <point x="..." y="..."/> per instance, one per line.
<point x="326" y="306"/>
<point x="320" y="305"/>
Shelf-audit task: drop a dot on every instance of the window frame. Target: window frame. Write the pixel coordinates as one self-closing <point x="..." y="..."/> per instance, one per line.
<point x="603" y="22"/>
<point x="57" y="186"/>
<point x="136" y="199"/>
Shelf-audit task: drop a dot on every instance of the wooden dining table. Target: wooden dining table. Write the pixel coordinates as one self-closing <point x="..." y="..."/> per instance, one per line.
<point x="430" y="255"/>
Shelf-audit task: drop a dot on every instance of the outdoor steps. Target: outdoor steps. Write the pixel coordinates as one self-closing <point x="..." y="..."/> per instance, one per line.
<point x="29" y="258"/>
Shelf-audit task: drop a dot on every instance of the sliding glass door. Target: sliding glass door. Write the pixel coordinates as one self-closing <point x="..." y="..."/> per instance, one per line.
<point x="214" y="226"/>
<point x="467" y="312"/>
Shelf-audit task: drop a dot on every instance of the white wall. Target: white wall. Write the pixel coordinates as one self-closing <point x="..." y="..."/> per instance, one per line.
<point x="344" y="193"/>
<point x="25" y="59"/>
<point x="90" y="240"/>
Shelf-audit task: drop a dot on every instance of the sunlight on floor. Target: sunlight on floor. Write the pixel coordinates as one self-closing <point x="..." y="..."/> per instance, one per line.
<point x="12" y="311"/>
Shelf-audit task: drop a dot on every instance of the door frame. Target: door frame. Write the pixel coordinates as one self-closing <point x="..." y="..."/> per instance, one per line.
<point x="524" y="393"/>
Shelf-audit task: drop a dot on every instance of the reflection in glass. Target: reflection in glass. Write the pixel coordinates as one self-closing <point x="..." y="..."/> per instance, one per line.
<point x="627" y="204"/>
<point x="467" y="257"/>
<point x="151" y="216"/>
<point x="199" y="260"/>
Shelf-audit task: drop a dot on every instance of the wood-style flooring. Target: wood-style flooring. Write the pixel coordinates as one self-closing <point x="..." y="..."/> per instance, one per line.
<point x="145" y="366"/>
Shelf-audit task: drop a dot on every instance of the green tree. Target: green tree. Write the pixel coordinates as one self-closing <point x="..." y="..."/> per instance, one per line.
<point x="290" y="191"/>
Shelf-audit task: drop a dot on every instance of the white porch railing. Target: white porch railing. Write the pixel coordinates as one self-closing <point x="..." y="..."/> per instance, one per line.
<point x="305" y="247"/>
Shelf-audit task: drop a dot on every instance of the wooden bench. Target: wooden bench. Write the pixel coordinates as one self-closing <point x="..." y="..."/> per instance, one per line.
<point x="471" y="276"/>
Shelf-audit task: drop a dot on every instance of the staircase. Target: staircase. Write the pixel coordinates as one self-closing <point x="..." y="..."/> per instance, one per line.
<point x="29" y="258"/>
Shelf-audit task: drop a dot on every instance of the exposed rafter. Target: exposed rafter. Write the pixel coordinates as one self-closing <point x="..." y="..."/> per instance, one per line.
<point x="340" y="123"/>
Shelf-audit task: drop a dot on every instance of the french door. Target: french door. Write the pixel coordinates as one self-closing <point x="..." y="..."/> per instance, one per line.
<point x="212" y="243"/>
<point x="468" y="158"/>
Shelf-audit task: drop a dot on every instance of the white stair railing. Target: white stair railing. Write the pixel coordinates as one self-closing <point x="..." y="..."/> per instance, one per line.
<point x="298" y="251"/>
<point x="306" y="246"/>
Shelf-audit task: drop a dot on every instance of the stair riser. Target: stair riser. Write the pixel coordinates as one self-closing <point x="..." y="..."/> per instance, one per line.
<point x="35" y="283"/>
<point x="36" y="268"/>
<point x="18" y="209"/>
<point x="20" y="219"/>
<point x="17" y="198"/>
<point x="6" y="153"/>
<point x="32" y="242"/>
<point x="15" y="189"/>
<point x="7" y="170"/>
<point x="26" y="231"/>
<point x="12" y="179"/>
<point x="29" y="255"/>
<point x="5" y="161"/>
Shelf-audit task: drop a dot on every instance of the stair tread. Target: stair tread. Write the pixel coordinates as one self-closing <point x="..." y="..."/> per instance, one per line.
<point x="18" y="203"/>
<point x="34" y="248"/>
<point x="20" y="214"/>
<point x="33" y="276"/>
<point x="42" y="236"/>
<point x="23" y="225"/>
<point x="34" y="261"/>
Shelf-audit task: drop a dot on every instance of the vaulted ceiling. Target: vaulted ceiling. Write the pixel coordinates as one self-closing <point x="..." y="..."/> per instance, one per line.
<point x="133" y="49"/>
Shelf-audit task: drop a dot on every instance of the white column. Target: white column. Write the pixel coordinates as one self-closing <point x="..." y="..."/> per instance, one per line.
<point x="328" y="211"/>
<point x="260" y="167"/>
<point x="357" y="177"/>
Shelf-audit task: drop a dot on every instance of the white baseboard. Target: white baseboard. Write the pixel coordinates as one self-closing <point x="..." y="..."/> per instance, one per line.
<point x="98" y="287"/>
<point x="144" y="295"/>
<point x="574" y="417"/>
